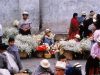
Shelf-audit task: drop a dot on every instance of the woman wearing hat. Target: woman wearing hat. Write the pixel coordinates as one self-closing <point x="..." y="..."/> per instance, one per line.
<point x="44" y="68"/>
<point x="25" y="24"/>
<point x="93" y="63"/>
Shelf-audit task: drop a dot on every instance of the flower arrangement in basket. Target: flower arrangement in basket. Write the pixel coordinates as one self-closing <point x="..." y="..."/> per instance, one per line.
<point x="85" y="44"/>
<point x="47" y="55"/>
<point x="25" y="43"/>
<point x="70" y="45"/>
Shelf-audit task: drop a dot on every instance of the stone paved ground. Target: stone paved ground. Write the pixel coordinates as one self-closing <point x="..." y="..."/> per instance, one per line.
<point x="34" y="62"/>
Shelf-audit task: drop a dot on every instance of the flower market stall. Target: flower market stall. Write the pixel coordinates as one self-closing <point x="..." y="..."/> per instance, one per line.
<point x="71" y="47"/>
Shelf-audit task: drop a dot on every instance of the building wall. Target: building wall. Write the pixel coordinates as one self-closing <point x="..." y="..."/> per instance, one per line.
<point x="56" y="14"/>
<point x="9" y="10"/>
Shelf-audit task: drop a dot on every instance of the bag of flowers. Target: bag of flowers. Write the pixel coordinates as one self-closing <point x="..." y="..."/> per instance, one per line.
<point x="41" y="48"/>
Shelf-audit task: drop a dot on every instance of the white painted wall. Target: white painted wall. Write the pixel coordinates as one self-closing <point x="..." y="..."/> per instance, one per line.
<point x="56" y="14"/>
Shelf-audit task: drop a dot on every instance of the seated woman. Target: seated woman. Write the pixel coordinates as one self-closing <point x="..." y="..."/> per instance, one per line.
<point x="47" y="38"/>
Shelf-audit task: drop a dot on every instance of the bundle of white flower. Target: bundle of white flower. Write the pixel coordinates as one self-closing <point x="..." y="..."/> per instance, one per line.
<point x="5" y="40"/>
<point x="26" y="43"/>
<point x="8" y="31"/>
<point x="70" y="45"/>
<point x="38" y="38"/>
<point x="85" y="44"/>
<point x="15" y="23"/>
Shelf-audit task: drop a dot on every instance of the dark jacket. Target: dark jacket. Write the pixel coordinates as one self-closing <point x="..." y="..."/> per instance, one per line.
<point x="40" y="70"/>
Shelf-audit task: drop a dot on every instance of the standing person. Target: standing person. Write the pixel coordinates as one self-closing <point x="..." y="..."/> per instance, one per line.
<point x="81" y="26"/>
<point x="43" y="68"/>
<point x="93" y="62"/>
<point x="25" y="24"/>
<point x="1" y="33"/>
<point x="14" y="51"/>
<point x="97" y="23"/>
<point x="74" y="26"/>
<point x="96" y="34"/>
<point x="87" y="23"/>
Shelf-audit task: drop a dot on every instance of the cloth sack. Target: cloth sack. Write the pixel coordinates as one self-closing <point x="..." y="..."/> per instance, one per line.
<point x="4" y="72"/>
<point x="11" y="64"/>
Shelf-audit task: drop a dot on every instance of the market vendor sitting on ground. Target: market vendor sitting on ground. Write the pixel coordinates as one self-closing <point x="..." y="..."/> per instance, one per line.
<point x="47" y="37"/>
<point x="25" y="24"/>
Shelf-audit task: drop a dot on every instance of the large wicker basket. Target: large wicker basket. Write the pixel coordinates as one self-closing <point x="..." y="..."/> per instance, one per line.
<point x="23" y="54"/>
<point x="47" y="55"/>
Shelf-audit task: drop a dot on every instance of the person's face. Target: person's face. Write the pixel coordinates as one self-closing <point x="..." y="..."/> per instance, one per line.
<point x="63" y="60"/>
<point x="92" y="13"/>
<point x="11" y="43"/>
<point x="49" y="33"/>
<point x="25" y="17"/>
<point x="59" y="71"/>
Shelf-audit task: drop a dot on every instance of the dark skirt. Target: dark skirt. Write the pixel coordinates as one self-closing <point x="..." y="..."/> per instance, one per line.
<point x="92" y="66"/>
<point x="28" y="32"/>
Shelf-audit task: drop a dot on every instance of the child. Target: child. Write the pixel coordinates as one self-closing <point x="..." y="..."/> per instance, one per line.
<point x="14" y="51"/>
<point x="47" y="38"/>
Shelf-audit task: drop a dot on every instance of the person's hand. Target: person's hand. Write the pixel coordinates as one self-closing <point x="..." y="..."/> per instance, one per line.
<point x="25" y="29"/>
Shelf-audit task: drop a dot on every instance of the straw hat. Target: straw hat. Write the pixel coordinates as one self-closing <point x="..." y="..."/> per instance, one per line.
<point x="45" y="63"/>
<point x="77" y="65"/>
<point x="83" y="13"/>
<point x="25" y="13"/>
<point x="61" y="65"/>
<point x="47" y="30"/>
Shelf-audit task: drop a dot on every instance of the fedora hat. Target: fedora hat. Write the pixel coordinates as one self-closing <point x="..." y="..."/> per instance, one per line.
<point x="25" y="13"/>
<point x="61" y="65"/>
<point x="45" y="63"/>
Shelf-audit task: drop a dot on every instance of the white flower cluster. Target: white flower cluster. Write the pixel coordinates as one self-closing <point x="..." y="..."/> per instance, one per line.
<point x="38" y="38"/>
<point x="85" y="44"/>
<point x="70" y="45"/>
<point x="15" y="23"/>
<point x="26" y="43"/>
<point x="8" y="31"/>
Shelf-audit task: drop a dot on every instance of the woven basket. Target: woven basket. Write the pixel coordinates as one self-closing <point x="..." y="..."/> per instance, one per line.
<point x="47" y="55"/>
<point x="23" y="54"/>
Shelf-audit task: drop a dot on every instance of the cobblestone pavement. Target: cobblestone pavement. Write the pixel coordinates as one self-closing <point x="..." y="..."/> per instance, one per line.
<point x="33" y="63"/>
